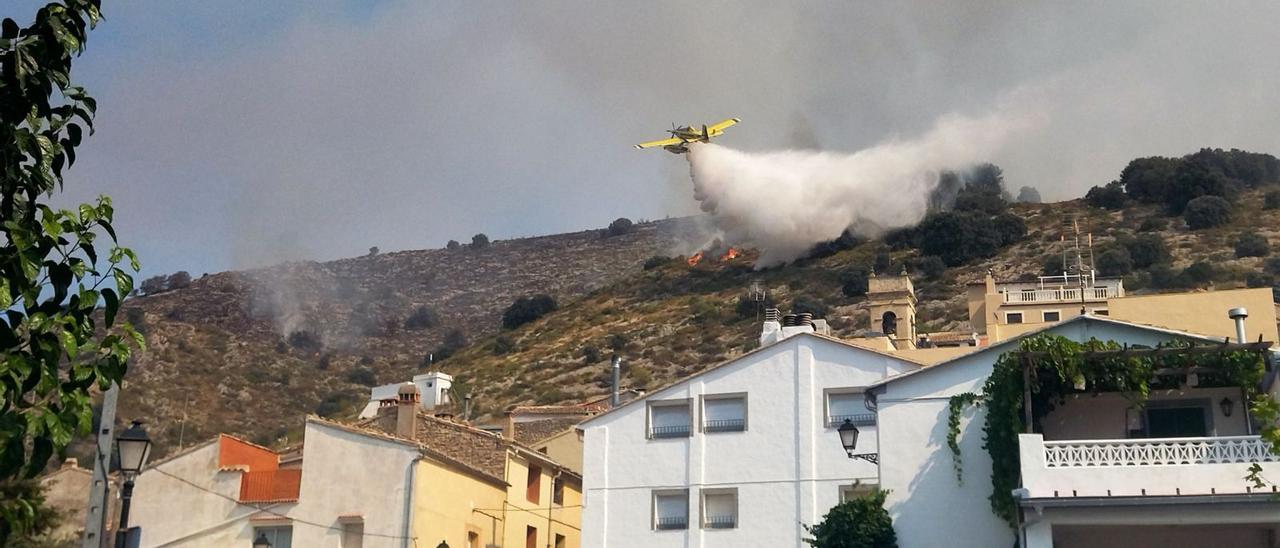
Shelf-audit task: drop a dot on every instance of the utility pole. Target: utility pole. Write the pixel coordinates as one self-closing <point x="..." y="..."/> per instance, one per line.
<point x="95" y="520"/>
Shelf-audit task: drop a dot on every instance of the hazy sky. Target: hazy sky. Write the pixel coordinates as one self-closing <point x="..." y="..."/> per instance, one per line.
<point x="236" y="133"/>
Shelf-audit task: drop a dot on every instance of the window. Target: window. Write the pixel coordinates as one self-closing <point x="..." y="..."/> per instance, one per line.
<point x="533" y="483"/>
<point x="1012" y="317"/>
<point x="848" y="404"/>
<point x="530" y="537"/>
<point x="669" y="419"/>
<point x="724" y="413"/>
<point x="557" y="490"/>
<point x="1052" y="316"/>
<point x="278" y="536"/>
<point x="854" y="491"/>
<point x="560" y="541"/>
<point x="671" y="510"/>
<point x="1185" y="419"/>
<point x="352" y="534"/>
<point x="719" y="508"/>
<point x="473" y="540"/>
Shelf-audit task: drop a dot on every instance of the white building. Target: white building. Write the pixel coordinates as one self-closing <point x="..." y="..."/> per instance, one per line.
<point x="742" y="454"/>
<point x="434" y="388"/>
<point x="1102" y="472"/>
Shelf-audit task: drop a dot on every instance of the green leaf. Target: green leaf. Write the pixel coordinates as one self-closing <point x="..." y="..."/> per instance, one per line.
<point x="124" y="282"/>
<point x="6" y="300"/>
<point x="112" y="305"/>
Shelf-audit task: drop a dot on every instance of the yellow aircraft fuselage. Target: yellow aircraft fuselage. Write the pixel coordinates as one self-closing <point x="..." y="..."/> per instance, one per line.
<point x="683" y="135"/>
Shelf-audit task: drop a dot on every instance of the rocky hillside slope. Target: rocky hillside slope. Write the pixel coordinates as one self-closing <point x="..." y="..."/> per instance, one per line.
<point x="253" y="352"/>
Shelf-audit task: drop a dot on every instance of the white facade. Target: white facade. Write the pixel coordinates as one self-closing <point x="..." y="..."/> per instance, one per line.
<point x="433" y="388"/>
<point x="758" y="461"/>
<point x="1196" y="484"/>
<point x="347" y="479"/>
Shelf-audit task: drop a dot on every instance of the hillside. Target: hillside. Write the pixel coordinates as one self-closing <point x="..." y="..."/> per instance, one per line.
<point x="252" y="352"/>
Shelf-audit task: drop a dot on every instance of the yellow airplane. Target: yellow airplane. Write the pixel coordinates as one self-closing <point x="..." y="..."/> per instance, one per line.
<point x="682" y="136"/>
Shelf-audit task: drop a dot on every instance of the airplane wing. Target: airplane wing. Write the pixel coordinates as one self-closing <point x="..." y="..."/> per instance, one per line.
<point x="722" y="125"/>
<point x="662" y="143"/>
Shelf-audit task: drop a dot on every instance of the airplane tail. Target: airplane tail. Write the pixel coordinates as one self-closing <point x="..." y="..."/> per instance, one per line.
<point x="705" y="135"/>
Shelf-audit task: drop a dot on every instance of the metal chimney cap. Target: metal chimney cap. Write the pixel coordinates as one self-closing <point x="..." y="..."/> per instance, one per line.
<point x="1238" y="313"/>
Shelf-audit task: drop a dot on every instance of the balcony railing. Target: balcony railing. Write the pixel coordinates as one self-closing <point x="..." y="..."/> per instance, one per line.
<point x="1059" y="295"/>
<point x="721" y="522"/>
<point x="673" y="522"/>
<point x="1157" y="452"/>
<point x="676" y="431"/>
<point x="858" y="419"/>
<point x="724" y="425"/>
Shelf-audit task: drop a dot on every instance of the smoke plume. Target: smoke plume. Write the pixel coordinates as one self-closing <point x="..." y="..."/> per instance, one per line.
<point x="785" y="202"/>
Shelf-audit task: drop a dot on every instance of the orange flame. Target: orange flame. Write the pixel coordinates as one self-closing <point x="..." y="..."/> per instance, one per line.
<point x="730" y="255"/>
<point x="695" y="259"/>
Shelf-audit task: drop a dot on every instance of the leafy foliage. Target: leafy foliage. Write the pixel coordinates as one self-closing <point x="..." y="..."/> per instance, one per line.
<point x="1271" y="200"/>
<point x="479" y="241"/>
<point x="1207" y="172"/>
<point x="858" y="523"/>
<point x="1062" y="368"/>
<point x="527" y="309"/>
<point x="1252" y="244"/>
<point x="846" y="240"/>
<point x="656" y="261"/>
<point x="1115" y="262"/>
<point x="453" y="245"/>
<point x="854" y="281"/>
<point x="1028" y="195"/>
<point x="620" y="226"/>
<point x="1111" y="196"/>
<point x="931" y="266"/>
<point x="959" y="237"/>
<point x="1207" y="212"/>
<point x="59" y="336"/>
<point x="1146" y="250"/>
<point x="454" y="340"/>
<point x="810" y="304"/>
<point x="24" y="516"/>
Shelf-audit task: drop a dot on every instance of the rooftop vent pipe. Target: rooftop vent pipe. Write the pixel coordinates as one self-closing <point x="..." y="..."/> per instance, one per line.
<point x="617" y="373"/>
<point x="1239" y="314"/>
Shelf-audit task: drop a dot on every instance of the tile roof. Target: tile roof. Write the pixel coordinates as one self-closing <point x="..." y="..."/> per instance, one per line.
<point x="533" y="432"/>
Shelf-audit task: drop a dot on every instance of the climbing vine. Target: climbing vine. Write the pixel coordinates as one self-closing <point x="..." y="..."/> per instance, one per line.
<point x="1061" y="369"/>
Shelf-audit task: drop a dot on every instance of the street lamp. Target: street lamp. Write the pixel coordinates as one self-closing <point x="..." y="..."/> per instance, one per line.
<point x="133" y="446"/>
<point x="442" y="544"/>
<point x="849" y="439"/>
<point x="261" y="541"/>
<point x="1227" y="406"/>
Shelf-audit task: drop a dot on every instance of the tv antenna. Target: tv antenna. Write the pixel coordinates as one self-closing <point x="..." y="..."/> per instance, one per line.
<point x="758" y="294"/>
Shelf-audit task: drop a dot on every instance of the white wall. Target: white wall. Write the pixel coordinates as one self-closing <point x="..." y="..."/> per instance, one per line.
<point x="173" y="513"/>
<point x="787" y="466"/>
<point x="348" y="473"/>
<point x="342" y="473"/>
<point x="926" y="501"/>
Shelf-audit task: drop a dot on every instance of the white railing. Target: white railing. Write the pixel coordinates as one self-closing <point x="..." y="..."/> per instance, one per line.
<point x="1064" y="294"/>
<point x="1157" y="452"/>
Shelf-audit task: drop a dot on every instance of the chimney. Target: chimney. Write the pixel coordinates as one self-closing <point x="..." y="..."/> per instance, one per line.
<point x="613" y="386"/>
<point x="509" y="426"/>
<point x="1239" y="314"/>
<point x="466" y="408"/>
<point x="990" y="282"/>
<point x="407" y="411"/>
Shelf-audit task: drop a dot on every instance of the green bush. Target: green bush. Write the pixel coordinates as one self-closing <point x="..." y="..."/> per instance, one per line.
<point x="454" y="340"/>
<point x="846" y="240"/>
<point x="363" y="376"/>
<point x="620" y="226"/>
<point x="1207" y="212"/>
<point x="858" y="523"/>
<point x="1198" y="274"/>
<point x="479" y="241"/>
<point x="1153" y="224"/>
<point x="854" y="281"/>
<point x="1252" y="244"/>
<point x="503" y="345"/>
<point x="1146" y="250"/>
<point x="527" y="309"/>
<point x="1272" y="266"/>
<point x="453" y="245"/>
<point x="1115" y="262"/>
<point x="1259" y="279"/>
<point x="812" y="305"/>
<point x="1271" y="200"/>
<point x="656" y="261"/>
<point x="931" y="267"/>
<point x="1111" y="196"/>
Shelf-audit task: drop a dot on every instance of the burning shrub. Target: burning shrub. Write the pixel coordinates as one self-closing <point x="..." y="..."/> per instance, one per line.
<point x="620" y="226"/>
<point x="527" y="309"/>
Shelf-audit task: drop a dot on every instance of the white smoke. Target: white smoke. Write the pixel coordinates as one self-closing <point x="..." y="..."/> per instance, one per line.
<point x="784" y="202"/>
